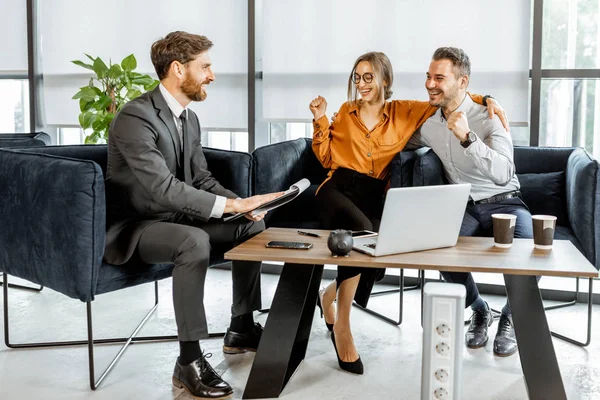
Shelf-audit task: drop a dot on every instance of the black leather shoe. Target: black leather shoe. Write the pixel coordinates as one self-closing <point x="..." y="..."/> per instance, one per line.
<point x="477" y="333"/>
<point x="200" y="380"/>
<point x="356" y="367"/>
<point x="320" y="305"/>
<point x="505" y="343"/>
<point x="236" y="343"/>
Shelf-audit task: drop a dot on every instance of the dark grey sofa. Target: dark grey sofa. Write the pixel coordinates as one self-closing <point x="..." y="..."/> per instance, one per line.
<point x="564" y="182"/>
<point x="560" y="181"/>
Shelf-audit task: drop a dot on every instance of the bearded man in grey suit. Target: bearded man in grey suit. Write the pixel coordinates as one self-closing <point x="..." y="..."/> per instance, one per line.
<point x="164" y="206"/>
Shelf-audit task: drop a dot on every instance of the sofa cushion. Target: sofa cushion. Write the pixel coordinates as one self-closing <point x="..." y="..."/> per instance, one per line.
<point x="428" y="170"/>
<point x="545" y="194"/>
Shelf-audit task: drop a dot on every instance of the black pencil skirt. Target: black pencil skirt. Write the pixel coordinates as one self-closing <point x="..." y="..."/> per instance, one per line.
<point x="351" y="200"/>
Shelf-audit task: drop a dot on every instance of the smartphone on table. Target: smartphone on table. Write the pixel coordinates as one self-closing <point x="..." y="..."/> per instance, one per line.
<point x="289" y="245"/>
<point x="363" y="233"/>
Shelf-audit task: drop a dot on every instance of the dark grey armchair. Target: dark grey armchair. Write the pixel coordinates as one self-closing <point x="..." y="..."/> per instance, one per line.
<point x="53" y="213"/>
<point x="36" y="139"/>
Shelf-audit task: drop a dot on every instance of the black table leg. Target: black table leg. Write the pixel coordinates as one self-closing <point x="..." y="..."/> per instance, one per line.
<point x="284" y="341"/>
<point x="538" y="359"/>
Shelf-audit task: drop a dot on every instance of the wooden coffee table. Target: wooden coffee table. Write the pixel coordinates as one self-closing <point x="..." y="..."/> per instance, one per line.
<point x="287" y="330"/>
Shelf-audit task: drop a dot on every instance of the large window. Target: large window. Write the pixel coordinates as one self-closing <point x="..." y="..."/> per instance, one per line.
<point x="226" y="140"/>
<point x="570" y="114"/>
<point x="14" y="106"/>
<point x="14" y="87"/>
<point x="570" y="34"/>
<point x="570" y="92"/>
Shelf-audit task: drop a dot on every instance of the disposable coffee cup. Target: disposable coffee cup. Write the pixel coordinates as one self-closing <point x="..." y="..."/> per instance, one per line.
<point x="543" y="231"/>
<point x="504" y="229"/>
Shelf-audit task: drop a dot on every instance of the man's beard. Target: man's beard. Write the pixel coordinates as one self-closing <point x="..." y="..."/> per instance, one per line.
<point x="446" y="97"/>
<point x="193" y="89"/>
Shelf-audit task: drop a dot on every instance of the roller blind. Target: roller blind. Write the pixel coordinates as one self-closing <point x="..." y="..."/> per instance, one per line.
<point x="13" y="31"/>
<point x="310" y="47"/>
<point x="115" y="28"/>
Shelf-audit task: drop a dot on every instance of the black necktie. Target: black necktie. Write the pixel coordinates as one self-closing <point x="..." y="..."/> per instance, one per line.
<point x="187" y="164"/>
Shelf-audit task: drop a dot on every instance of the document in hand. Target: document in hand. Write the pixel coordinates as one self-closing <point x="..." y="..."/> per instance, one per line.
<point x="285" y="198"/>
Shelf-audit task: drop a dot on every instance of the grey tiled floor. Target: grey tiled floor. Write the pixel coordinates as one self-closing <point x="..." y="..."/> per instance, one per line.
<point x="392" y="355"/>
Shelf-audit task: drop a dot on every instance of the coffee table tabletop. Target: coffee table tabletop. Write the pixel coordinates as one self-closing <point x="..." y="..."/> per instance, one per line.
<point x="471" y="254"/>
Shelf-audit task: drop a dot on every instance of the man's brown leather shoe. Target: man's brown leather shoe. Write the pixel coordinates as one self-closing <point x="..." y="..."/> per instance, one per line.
<point x="200" y="380"/>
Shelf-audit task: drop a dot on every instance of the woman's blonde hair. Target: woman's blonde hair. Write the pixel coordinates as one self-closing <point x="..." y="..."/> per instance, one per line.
<point x="382" y="68"/>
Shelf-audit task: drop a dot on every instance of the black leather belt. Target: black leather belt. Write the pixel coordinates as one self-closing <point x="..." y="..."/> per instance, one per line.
<point x="497" y="198"/>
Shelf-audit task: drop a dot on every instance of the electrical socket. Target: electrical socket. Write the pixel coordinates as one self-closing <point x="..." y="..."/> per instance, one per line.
<point x="441" y="375"/>
<point x="441" y="394"/>
<point x="443" y="330"/>
<point x="443" y="327"/>
<point x="443" y="349"/>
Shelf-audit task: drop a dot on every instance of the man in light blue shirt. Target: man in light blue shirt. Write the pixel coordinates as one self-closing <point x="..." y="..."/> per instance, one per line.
<point x="478" y="150"/>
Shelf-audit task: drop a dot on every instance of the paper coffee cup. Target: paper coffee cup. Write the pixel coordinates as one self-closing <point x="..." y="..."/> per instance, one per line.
<point x="504" y="229"/>
<point x="543" y="231"/>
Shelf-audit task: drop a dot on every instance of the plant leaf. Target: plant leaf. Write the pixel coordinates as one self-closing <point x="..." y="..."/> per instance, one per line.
<point x="90" y="57"/>
<point x="84" y="105"/>
<point x="142" y="80"/>
<point x="129" y="63"/>
<point x="115" y="71"/>
<point x="86" y="93"/>
<point x="100" y="68"/>
<point x="133" y="93"/>
<point x="99" y="125"/>
<point x="103" y="102"/>
<point x="86" y="119"/>
<point x="82" y="64"/>
<point x="91" y="139"/>
<point x="152" y="86"/>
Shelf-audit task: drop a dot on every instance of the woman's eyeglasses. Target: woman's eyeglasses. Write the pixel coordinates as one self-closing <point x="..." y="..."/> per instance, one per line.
<point x="366" y="77"/>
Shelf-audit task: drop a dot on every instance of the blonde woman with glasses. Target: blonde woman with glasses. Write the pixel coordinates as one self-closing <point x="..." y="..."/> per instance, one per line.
<point x="357" y="148"/>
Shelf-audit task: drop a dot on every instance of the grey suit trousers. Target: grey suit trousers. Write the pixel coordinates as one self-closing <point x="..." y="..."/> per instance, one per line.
<point x="186" y="242"/>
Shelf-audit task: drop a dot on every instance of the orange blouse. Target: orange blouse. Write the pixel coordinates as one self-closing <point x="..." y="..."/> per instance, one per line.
<point x="347" y="143"/>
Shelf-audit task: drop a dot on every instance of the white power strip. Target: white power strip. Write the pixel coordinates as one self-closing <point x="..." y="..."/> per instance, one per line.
<point x="443" y="330"/>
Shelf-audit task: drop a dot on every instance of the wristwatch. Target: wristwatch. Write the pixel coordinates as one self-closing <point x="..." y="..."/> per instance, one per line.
<point x="471" y="137"/>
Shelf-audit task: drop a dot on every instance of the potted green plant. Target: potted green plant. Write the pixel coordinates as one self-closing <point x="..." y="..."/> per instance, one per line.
<point x="113" y="86"/>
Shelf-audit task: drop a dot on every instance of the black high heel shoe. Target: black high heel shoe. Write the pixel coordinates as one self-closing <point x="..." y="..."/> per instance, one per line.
<point x="320" y="305"/>
<point x="356" y="367"/>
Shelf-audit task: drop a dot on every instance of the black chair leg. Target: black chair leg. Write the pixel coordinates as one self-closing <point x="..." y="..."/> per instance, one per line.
<point x="16" y="286"/>
<point x="401" y="289"/>
<point x="589" y="315"/>
<point x="90" y="342"/>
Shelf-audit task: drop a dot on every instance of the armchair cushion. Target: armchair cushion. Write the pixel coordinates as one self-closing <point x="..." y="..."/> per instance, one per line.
<point x="428" y="169"/>
<point x="278" y="166"/>
<point x="233" y="169"/>
<point x="545" y="194"/>
<point x="53" y="215"/>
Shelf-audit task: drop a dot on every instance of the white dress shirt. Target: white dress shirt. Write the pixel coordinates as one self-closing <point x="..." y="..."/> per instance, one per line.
<point x="487" y="164"/>
<point x="177" y="109"/>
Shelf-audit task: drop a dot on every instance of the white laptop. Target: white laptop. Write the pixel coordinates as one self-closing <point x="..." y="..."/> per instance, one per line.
<point x="418" y="218"/>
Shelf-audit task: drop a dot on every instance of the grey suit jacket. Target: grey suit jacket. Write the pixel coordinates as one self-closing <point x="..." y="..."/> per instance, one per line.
<point x="141" y="183"/>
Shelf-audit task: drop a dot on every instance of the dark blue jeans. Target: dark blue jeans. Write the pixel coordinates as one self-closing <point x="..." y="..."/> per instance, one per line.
<point x="478" y="222"/>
